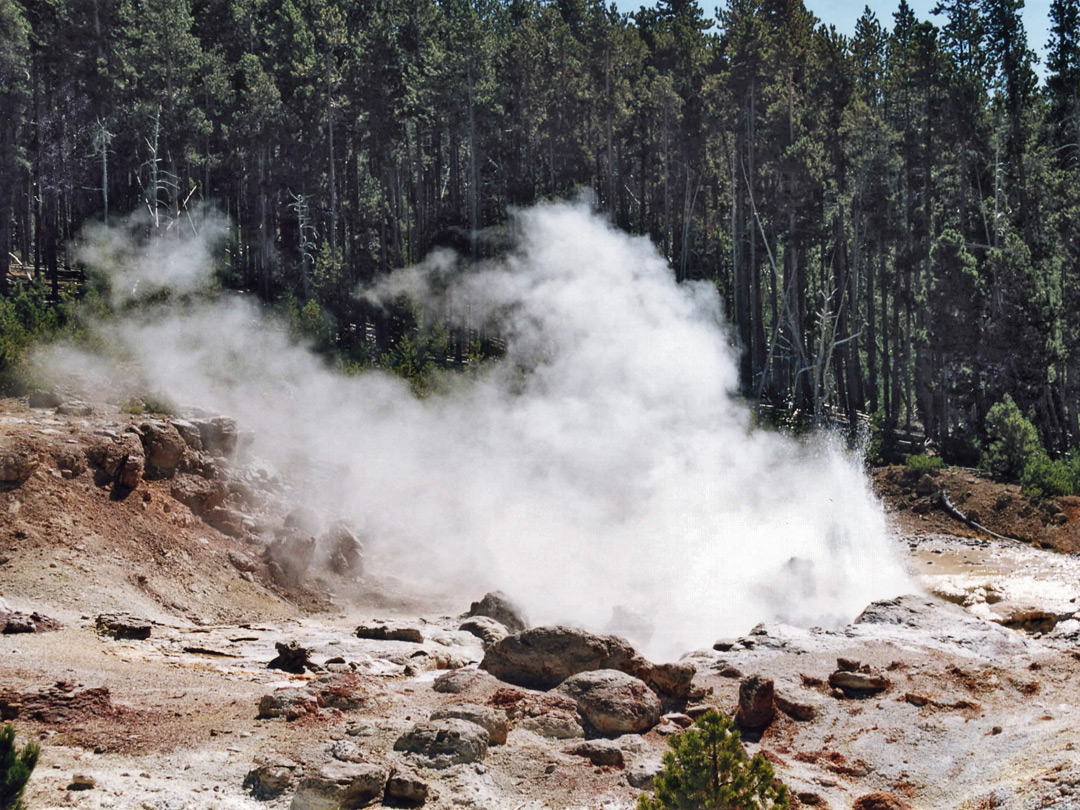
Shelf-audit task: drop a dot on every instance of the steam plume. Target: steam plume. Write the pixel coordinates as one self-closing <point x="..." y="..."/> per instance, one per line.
<point x="615" y="472"/>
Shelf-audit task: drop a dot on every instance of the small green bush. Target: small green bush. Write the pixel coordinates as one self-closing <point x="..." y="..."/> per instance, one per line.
<point x="1046" y="477"/>
<point x="1012" y="441"/>
<point x="15" y="768"/>
<point x="922" y="463"/>
<point x="706" y="768"/>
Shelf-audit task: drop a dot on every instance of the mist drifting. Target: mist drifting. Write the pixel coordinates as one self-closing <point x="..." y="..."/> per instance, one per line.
<point x="602" y="465"/>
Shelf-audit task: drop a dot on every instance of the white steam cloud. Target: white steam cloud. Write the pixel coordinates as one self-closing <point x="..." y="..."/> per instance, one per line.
<point x="602" y="466"/>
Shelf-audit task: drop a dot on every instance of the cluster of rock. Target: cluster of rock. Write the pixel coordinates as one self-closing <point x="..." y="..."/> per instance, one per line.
<point x="191" y="458"/>
<point x="594" y="694"/>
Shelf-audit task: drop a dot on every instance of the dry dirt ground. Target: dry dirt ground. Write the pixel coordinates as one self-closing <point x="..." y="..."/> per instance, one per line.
<point x="979" y="705"/>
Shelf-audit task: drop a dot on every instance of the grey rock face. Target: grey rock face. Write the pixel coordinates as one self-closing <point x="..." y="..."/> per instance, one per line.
<point x="498" y="606"/>
<point x="340" y="786"/>
<point x="493" y="720"/>
<point x="613" y="702"/>
<point x="442" y="743"/>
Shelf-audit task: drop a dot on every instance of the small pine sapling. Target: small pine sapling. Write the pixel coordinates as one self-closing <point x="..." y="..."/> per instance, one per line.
<point x="706" y="768"/>
<point x="15" y="768"/>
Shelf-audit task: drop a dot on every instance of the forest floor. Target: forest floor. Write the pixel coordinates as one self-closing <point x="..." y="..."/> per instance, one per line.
<point x="980" y="709"/>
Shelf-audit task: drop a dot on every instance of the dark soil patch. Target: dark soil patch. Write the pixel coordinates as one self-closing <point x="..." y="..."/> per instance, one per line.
<point x="1001" y="508"/>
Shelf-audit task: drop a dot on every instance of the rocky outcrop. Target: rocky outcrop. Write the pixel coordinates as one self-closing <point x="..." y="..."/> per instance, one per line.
<point x="549" y="715"/>
<point x="218" y="435"/>
<point x="341" y="786"/>
<point x="119" y="462"/>
<point x="405" y="788"/>
<point x="291" y="704"/>
<point x="163" y="446"/>
<point x="291" y="657"/>
<point x="602" y="753"/>
<point x="16" y="467"/>
<point x="498" y="606"/>
<point x="390" y="631"/>
<point x="544" y="657"/>
<point x="457" y="681"/>
<point x="13" y="622"/>
<point x="880" y="801"/>
<point x="271" y="778"/>
<point x="343" y="549"/>
<point x="493" y="720"/>
<point x="199" y="494"/>
<point x="121" y="626"/>
<point x="443" y="743"/>
<point x="756" y="703"/>
<point x="486" y="629"/>
<point x="613" y="702"/>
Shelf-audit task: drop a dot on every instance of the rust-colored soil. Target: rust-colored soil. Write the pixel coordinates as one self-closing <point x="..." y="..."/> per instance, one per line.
<point x="1001" y="508"/>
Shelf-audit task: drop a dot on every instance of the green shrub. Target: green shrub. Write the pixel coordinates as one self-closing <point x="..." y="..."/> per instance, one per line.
<point x="15" y="768"/>
<point x="706" y="768"/>
<point x="921" y="463"/>
<point x="1012" y="441"/>
<point x="1047" y="477"/>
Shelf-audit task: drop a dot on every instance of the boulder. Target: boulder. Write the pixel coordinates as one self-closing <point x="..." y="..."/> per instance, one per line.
<point x="796" y="704"/>
<point x="289" y="558"/>
<point x="613" y="702"/>
<point x="602" y="753"/>
<point x="44" y="399"/>
<point x="75" y="407"/>
<point x="164" y="447"/>
<point x="82" y="781"/>
<point x="288" y="703"/>
<point x="544" y="657"/>
<point x="549" y="714"/>
<point x="122" y="626"/>
<point x="457" y="681"/>
<point x="390" y="631"/>
<point x="498" y="606"/>
<point x="13" y="622"/>
<point x="756" y="707"/>
<point x="121" y="462"/>
<point x="345" y="552"/>
<point x="342" y="691"/>
<point x="880" y="801"/>
<point x="291" y="657"/>
<point x="443" y="743"/>
<point x="70" y="463"/>
<point x="346" y="751"/>
<point x="672" y="680"/>
<point x="405" y="788"/>
<point x="218" y="435"/>
<point x="199" y="494"/>
<point x="642" y="772"/>
<point x="493" y="720"/>
<point x="340" y="786"/>
<point x="486" y="629"/>
<point x="189" y="433"/>
<point x="554" y="725"/>
<point x="270" y="779"/>
<point x="858" y="682"/>
<point x="16" y="467"/>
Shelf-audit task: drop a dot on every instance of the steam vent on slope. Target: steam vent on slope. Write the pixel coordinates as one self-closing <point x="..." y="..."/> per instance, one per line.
<point x="602" y="468"/>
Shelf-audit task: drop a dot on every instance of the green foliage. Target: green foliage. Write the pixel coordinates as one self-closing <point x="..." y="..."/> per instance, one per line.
<point x="706" y="768"/>
<point x="1046" y="477"/>
<point x="921" y="463"/>
<point x="26" y="318"/>
<point x="1012" y="441"/>
<point x="16" y="766"/>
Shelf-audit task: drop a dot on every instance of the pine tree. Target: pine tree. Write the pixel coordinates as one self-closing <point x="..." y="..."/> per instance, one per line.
<point x="706" y="768"/>
<point x="15" y="768"/>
